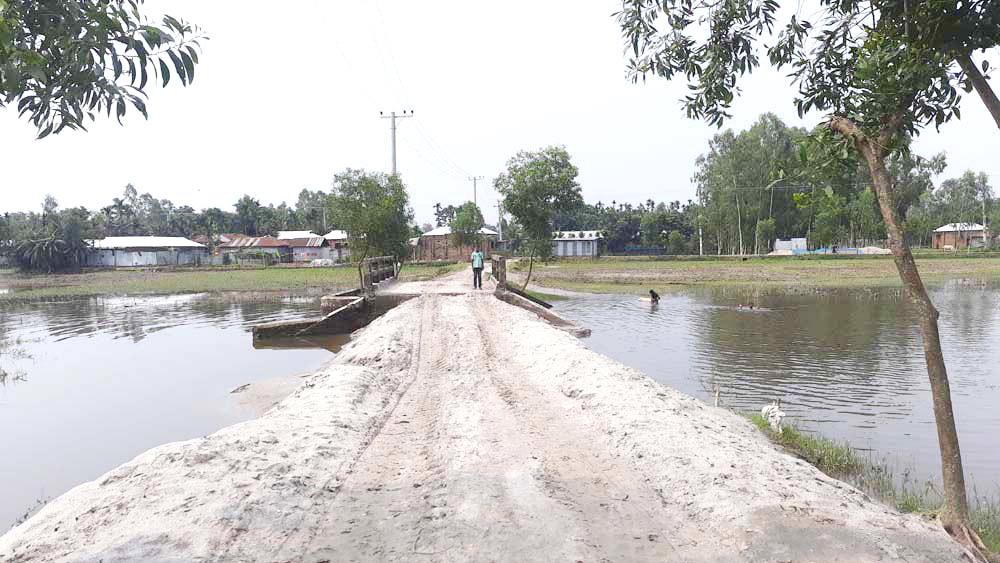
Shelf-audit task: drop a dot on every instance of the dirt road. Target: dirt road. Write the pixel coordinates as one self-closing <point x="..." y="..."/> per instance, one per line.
<point x="460" y="428"/>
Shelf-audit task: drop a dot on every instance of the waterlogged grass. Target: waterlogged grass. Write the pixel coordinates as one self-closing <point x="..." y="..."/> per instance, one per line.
<point x="134" y="282"/>
<point x="840" y="461"/>
<point x="639" y="274"/>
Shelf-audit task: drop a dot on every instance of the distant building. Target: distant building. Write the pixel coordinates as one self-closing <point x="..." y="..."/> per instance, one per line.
<point x="790" y="246"/>
<point x="954" y="236"/>
<point x="439" y="244"/>
<point x="337" y="240"/>
<point x="576" y="243"/>
<point x="259" y="245"/>
<point x="119" y="252"/>
<point x="283" y="235"/>
<point x="307" y="249"/>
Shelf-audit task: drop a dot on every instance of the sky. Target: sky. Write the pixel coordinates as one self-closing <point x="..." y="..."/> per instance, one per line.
<point x="288" y="94"/>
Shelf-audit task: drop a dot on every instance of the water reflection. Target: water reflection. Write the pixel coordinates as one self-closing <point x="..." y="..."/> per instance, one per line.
<point x="109" y="377"/>
<point x="847" y="363"/>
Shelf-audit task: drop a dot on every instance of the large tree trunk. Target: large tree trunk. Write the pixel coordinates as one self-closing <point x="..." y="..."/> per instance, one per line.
<point x="981" y="85"/>
<point x="955" y="512"/>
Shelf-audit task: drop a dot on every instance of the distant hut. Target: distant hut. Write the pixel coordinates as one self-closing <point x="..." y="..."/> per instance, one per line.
<point x="439" y="244"/>
<point x="279" y="250"/>
<point x="121" y="252"/>
<point x="576" y="243"/>
<point x="337" y="241"/>
<point x="955" y="236"/>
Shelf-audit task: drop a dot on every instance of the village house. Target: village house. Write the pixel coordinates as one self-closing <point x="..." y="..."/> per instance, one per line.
<point x="337" y="241"/>
<point x="439" y="244"/>
<point x="955" y="236"/>
<point x="118" y="252"/>
<point x="576" y="243"/>
<point x="279" y="249"/>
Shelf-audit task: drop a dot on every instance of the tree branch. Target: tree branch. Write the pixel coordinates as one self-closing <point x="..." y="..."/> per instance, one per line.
<point x="981" y="85"/>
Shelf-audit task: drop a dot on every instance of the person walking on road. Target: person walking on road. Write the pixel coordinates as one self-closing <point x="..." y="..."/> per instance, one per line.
<point x="477" y="269"/>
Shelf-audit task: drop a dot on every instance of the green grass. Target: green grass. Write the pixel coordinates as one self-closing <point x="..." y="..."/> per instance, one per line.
<point x="639" y="274"/>
<point x="118" y="282"/>
<point x="840" y="461"/>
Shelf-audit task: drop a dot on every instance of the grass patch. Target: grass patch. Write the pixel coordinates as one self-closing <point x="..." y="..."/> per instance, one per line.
<point x="840" y="461"/>
<point x="639" y="274"/>
<point x="205" y="279"/>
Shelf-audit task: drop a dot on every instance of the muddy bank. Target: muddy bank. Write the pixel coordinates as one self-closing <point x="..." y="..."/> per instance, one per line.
<point x="462" y="428"/>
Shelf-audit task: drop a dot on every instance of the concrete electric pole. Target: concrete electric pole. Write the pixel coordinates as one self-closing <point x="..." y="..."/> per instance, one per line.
<point x="499" y="221"/>
<point x="392" y="128"/>
<point x="474" y="195"/>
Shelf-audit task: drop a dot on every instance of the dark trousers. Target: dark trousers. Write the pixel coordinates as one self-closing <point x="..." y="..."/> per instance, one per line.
<point x="477" y="278"/>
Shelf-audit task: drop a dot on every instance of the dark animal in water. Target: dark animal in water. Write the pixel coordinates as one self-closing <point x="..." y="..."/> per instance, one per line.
<point x="654" y="296"/>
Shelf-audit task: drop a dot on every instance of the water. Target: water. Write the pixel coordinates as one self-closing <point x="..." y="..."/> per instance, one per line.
<point x="90" y="383"/>
<point x="848" y="364"/>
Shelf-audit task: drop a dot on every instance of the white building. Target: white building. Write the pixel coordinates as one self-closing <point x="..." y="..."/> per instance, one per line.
<point x="337" y="240"/>
<point x="576" y="243"/>
<point x="283" y="235"/>
<point x="118" y="252"/>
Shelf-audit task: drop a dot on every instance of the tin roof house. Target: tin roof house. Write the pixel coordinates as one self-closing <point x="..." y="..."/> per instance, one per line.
<point x="120" y="252"/>
<point x="955" y="236"/>
<point x="576" y="243"/>
<point x="439" y="244"/>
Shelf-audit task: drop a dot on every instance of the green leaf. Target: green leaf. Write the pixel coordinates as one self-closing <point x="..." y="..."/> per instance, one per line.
<point x="164" y="72"/>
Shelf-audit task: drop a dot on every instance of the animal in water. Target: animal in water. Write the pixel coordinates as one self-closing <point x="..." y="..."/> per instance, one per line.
<point x="654" y="297"/>
<point x="773" y="415"/>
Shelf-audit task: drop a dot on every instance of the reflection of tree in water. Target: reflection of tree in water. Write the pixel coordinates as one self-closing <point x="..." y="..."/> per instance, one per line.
<point x="844" y="350"/>
<point x="136" y="318"/>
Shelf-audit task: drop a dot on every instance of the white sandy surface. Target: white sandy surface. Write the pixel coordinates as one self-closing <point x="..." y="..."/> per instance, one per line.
<point x="460" y="428"/>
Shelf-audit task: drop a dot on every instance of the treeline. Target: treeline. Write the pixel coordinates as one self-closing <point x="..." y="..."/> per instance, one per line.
<point x="773" y="181"/>
<point x="136" y="214"/>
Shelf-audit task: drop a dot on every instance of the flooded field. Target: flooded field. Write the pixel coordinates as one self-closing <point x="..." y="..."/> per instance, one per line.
<point x="86" y="384"/>
<point x="848" y="364"/>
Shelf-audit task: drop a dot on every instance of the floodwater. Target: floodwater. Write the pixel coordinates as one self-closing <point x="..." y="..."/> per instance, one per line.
<point x="88" y="384"/>
<point x="848" y="364"/>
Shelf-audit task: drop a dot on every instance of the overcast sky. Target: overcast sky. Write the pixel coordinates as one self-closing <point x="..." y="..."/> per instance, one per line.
<point x="289" y="93"/>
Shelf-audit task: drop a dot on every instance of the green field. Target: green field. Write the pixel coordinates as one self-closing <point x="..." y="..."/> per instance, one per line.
<point x="131" y="282"/>
<point x="638" y="275"/>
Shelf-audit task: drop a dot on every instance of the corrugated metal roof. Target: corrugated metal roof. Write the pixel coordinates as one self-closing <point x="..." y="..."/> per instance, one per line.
<point x="577" y="235"/>
<point x="306" y="242"/>
<point x="114" y="243"/>
<point x="255" y="242"/>
<point x="952" y="227"/>
<point x="336" y="234"/>
<point x="283" y="235"/>
<point x="446" y="230"/>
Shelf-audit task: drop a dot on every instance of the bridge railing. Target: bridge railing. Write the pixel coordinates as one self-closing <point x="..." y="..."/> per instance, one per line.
<point x="499" y="271"/>
<point x="375" y="270"/>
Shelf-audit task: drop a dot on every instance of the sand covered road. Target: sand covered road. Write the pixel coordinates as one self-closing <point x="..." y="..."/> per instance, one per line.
<point x="460" y="428"/>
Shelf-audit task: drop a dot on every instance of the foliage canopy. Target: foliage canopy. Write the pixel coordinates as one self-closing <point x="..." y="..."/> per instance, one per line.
<point x="64" y="61"/>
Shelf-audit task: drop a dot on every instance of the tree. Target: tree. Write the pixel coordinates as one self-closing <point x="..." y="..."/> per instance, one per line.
<point x="248" y="215"/>
<point x="63" y="61"/>
<point x="536" y="185"/>
<point x="374" y="209"/>
<point x="878" y="74"/>
<point x="676" y="244"/>
<point x="466" y="224"/>
<point x="444" y="215"/>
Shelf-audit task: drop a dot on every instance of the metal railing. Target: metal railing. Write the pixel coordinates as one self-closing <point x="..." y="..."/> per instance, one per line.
<point x="375" y="270"/>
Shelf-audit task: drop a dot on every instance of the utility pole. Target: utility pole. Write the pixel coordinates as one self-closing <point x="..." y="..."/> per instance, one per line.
<point x="392" y="127"/>
<point x="500" y="220"/>
<point x="475" y="179"/>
